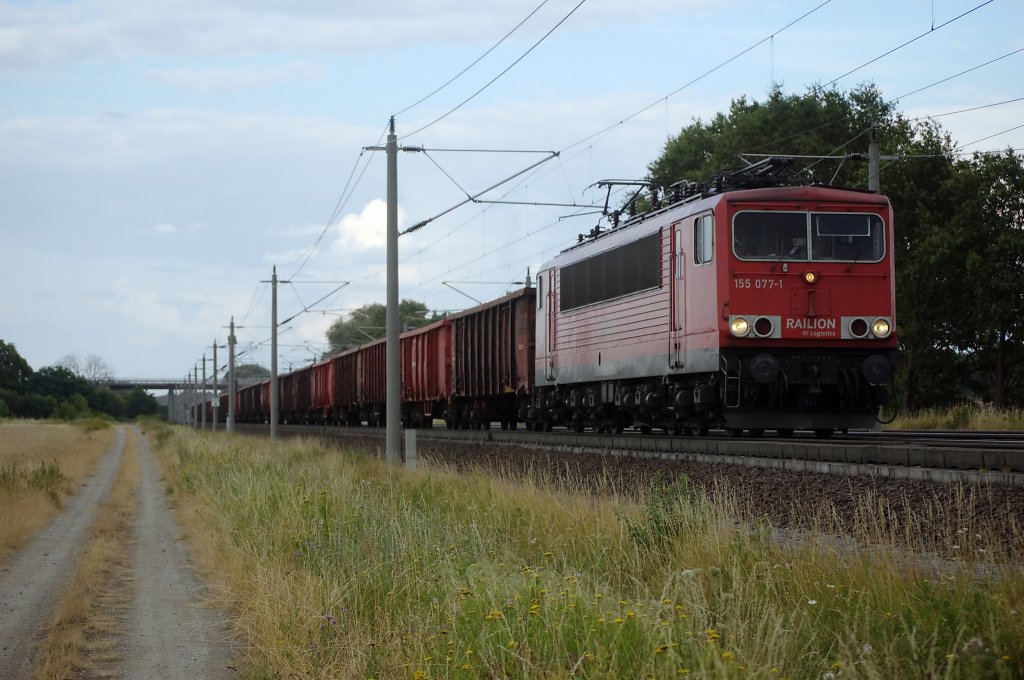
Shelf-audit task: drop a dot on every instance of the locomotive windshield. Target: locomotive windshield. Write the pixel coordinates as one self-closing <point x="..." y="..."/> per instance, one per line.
<point x="784" y="236"/>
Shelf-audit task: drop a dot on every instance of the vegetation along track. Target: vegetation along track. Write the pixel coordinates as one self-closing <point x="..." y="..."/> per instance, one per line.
<point x="921" y="512"/>
<point x="947" y="457"/>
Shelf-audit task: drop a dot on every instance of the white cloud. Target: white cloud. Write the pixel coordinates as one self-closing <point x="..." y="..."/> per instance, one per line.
<point x="365" y="230"/>
<point x="54" y="34"/>
<point x="165" y="228"/>
<point x="237" y="77"/>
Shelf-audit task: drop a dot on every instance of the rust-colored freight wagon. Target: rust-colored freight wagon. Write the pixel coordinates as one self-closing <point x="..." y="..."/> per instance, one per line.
<point x="295" y="394"/>
<point x="346" y="387"/>
<point x="323" y="404"/>
<point x="492" y="362"/>
<point x="371" y="390"/>
<point x="426" y="373"/>
<point x="250" y="402"/>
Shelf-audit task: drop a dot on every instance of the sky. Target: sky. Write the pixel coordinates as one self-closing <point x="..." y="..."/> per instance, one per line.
<point x="160" y="158"/>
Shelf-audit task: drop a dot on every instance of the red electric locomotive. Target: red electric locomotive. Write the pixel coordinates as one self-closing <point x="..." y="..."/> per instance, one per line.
<point x="748" y="305"/>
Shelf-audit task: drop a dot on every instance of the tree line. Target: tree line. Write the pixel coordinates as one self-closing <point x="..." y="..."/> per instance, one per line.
<point x="65" y="391"/>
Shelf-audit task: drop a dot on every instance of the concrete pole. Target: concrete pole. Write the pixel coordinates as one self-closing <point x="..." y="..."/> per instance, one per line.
<point x="195" y="395"/>
<point x="202" y="405"/>
<point x="393" y="406"/>
<point x="874" y="162"/>
<point x="232" y="385"/>
<point x="216" y="394"/>
<point x="275" y="407"/>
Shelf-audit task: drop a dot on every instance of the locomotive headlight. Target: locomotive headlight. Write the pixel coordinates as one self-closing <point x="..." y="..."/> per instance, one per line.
<point x="810" y="277"/>
<point x="880" y="328"/>
<point x="739" y="326"/>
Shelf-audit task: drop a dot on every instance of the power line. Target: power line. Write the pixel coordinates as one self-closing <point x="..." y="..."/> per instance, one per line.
<point x="912" y="40"/>
<point x="956" y="75"/>
<point x="495" y="78"/>
<point x="697" y="79"/>
<point x="346" y="194"/>
<point x="475" y="62"/>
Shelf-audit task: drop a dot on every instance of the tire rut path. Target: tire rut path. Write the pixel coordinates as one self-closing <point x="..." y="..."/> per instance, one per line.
<point x="168" y="632"/>
<point x="34" y="577"/>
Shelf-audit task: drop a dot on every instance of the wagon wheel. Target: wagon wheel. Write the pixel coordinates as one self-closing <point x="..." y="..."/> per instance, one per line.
<point x="757" y="432"/>
<point x="823" y="432"/>
<point x="734" y="432"/>
<point x="784" y="431"/>
<point x="645" y="429"/>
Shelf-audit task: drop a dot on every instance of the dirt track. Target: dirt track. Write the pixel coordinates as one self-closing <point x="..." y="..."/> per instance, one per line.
<point x="166" y="634"/>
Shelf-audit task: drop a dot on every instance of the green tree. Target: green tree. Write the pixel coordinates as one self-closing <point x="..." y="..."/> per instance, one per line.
<point x="104" y="400"/>
<point x="244" y="371"/>
<point x="14" y="370"/>
<point x="140" y="403"/>
<point x="987" y="272"/>
<point x="57" y="382"/>
<point x="930" y="370"/>
<point x="367" y="323"/>
<point x="820" y="122"/>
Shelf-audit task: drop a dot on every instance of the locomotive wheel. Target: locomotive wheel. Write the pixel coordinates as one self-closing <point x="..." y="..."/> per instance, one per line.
<point x="823" y="432"/>
<point x="784" y="432"/>
<point x="757" y="432"/>
<point x="577" y="427"/>
<point x="486" y="425"/>
<point x="645" y="429"/>
<point x="734" y="432"/>
<point x="547" y="426"/>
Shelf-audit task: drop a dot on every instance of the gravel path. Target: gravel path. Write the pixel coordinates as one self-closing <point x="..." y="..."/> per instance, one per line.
<point x="32" y="579"/>
<point x="168" y="633"/>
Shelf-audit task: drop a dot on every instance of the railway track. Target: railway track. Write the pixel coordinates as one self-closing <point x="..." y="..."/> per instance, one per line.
<point x="948" y="457"/>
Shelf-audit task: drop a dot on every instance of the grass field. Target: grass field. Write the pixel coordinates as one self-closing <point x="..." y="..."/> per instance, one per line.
<point x="40" y="465"/>
<point x="338" y="566"/>
<point x="965" y="416"/>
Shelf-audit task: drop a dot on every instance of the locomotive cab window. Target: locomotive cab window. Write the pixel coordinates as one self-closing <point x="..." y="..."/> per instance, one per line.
<point x="703" y="239"/>
<point x="802" y="236"/>
<point x="847" y="237"/>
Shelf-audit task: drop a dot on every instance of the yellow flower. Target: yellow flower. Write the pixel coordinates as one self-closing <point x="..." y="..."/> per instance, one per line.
<point x="727" y="656"/>
<point x="1004" y="657"/>
<point x="666" y="601"/>
<point x="773" y="670"/>
<point x="420" y="675"/>
<point x="630" y="614"/>
<point x="512" y="644"/>
<point x="466" y="667"/>
<point x="588" y="656"/>
<point x="617" y="620"/>
<point x="712" y="634"/>
<point x="838" y="666"/>
<point x="661" y="649"/>
<point x="549" y="554"/>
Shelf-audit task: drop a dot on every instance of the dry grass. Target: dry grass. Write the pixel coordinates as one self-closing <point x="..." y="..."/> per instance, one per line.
<point x="41" y="464"/>
<point x="965" y="416"/>
<point x="88" y="616"/>
<point x="338" y="566"/>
